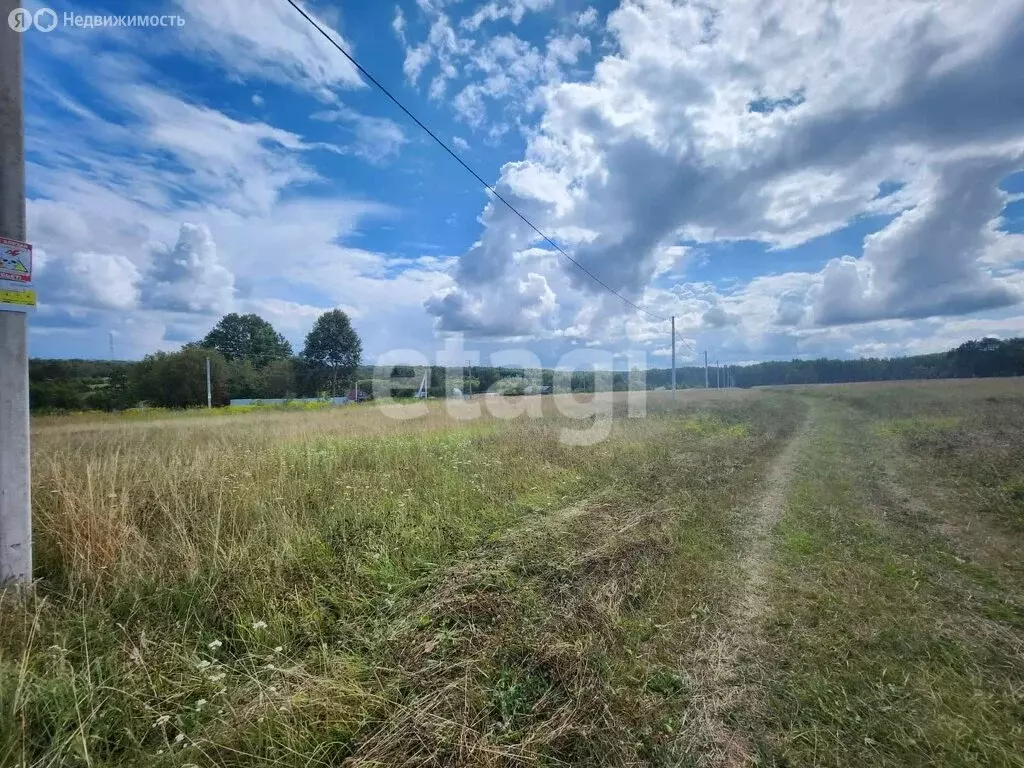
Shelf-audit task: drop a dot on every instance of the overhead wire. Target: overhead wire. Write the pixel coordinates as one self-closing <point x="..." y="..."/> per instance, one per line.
<point x="463" y="163"/>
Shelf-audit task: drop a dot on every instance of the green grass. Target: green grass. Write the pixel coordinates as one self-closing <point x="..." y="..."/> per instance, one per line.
<point x="298" y="588"/>
<point x="282" y="589"/>
<point x="886" y="646"/>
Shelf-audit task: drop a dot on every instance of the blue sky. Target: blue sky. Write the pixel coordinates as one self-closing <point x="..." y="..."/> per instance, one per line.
<point x="788" y="179"/>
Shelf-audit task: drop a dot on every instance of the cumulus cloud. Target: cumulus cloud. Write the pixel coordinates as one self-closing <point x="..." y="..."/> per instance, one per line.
<point x="525" y="308"/>
<point x="790" y="310"/>
<point x="776" y="123"/>
<point x="718" y="317"/>
<point x="89" y="280"/>
<point x="926" y="262"/>
<point x="586" y="18"/>
<point x="190" y="277"/>
<point x="501" y="68"/>
<point x="108" y="193"/>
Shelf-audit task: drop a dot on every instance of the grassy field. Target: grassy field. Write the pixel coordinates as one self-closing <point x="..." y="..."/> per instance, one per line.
<point x="792" y="577"/>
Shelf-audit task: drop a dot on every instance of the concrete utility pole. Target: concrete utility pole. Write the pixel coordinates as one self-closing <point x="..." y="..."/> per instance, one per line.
<point x="469" y="377"/>
<point x="673" y="357"/>
<point x="718" y="374"/>
<point x="15" y="471"/>
<point x="706" y="369"/>
<point x="209" y="389"/>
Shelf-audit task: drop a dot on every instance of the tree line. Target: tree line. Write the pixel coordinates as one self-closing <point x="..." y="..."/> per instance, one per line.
<point x="250" y="359"/>
<point x="973" y="359"/>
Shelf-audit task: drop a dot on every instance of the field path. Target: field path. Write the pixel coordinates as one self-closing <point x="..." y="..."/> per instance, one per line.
<point x="729" y="683"/>
<point x="763" y="516"/>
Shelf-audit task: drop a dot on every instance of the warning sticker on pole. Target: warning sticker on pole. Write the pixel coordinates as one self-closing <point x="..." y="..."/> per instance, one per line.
<point x="17" y="298"/>
<point x="16" y="294"/>
<point x="15" y="261"/>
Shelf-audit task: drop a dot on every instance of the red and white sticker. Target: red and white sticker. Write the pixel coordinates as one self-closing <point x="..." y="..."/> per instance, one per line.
<point x="15" y="261"/>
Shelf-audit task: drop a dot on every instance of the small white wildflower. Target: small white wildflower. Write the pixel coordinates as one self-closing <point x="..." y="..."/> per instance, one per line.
<point x="179" y="738"/>
<point x="159" y="751"/>
<point x="202" y="664"/>
<point x="269" y="667"/>
<point x="162" y="720"/>
<point x="278" y="649"/>
<point x="216" y="677"/>
<point x="259" y="625"/>
<point x="190" y="765"/>
<point x="214" y="644"/>
<point x="200" y="704"/>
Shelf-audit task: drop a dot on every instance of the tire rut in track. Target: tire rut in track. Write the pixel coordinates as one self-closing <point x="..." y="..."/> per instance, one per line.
<point x="728" y="678"/>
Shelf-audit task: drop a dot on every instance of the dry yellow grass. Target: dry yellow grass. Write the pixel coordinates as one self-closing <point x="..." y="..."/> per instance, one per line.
<point x="241" y="583"/>
<point x="697" y="588"/>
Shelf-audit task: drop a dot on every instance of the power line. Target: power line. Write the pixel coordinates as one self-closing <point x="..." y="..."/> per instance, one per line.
<point x="462" y="162"/>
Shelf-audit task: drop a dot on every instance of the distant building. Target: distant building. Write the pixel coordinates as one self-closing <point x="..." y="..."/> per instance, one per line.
<point x="287" y="401"/>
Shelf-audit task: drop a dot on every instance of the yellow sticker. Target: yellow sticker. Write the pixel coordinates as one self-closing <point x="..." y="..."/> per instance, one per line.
<point x="18" y="298"/>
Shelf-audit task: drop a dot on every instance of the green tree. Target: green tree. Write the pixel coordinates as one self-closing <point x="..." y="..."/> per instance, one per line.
<point x="247" y="337"/>
<point x="243" y="379"/>
<point x="333" y="344"/>
<point x="178" y="379"/>
<point x="279" y="379"/>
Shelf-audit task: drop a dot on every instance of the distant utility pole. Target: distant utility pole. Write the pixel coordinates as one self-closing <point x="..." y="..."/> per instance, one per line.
<point x="111" y="335"/>
<point x="209" y="389"/>
<point x="705" y="369"/>
<point x="469" y="377"/>
<point x="15" y="468"/>
<point x="718" y="374"/>
<point x="673" y="357"/>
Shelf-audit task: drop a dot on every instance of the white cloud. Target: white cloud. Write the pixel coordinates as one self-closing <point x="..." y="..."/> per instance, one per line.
<point x="502" y="68"/>
<point x="927" y="261"/>
<point x="246" y="162"/>
<point x="190" y="276"/>
<point x="772" y="122"/>
<point x="718" y="317"/>
<point x="586" y="18"/>
<point x="514" y="10"/>
<point x="763" y="121"/>
<point x="269" y="41"/>
<point x="89" y="280"/>
<point x="398" y="24"/>
<point x="375" y="138"/>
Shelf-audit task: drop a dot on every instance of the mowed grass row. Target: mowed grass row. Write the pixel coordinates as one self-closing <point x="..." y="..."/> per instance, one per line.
<point x="896" y="631"/>
<point x="297" y="589"/>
